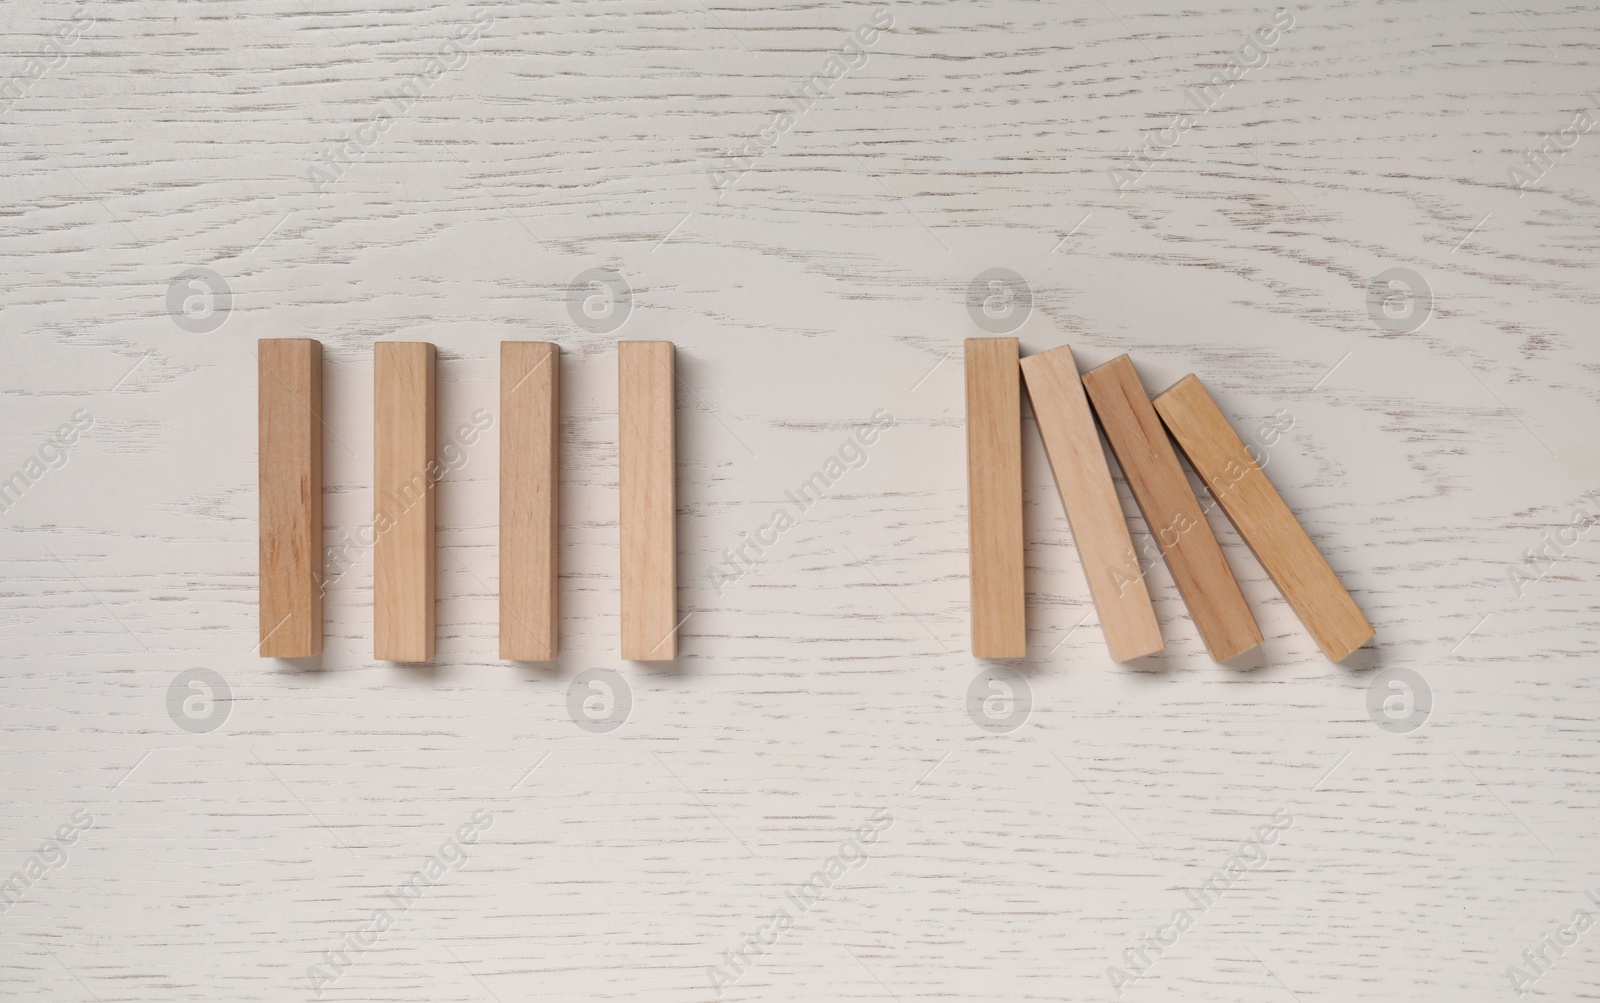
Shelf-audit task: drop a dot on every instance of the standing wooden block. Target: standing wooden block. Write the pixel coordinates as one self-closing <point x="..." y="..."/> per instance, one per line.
<point x="1098" y="527"/>
<point x="530" y="480"/>
<point x="1170" y="510"/>
<point x="404" y="484"/>
<point x="289" y="410"/>
<point x="994" y="498"/>
<point x="649" y="503"/>
<point x="1259" y="513"/>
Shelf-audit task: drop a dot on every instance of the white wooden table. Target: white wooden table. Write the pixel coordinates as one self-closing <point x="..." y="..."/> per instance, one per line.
<point x="237" y="850"/>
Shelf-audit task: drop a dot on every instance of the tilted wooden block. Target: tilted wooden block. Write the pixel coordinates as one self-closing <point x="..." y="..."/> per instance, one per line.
<point x="648" y="506"/>
<point x="1098" y="526"/>
<point x="1171" y="512"/>
<point x="289" y="411"/>
<point x="530" y="483"/>
<point x="994" y="498"/>
<point x="405" y="482"/>
<point x="1260" y="514"/>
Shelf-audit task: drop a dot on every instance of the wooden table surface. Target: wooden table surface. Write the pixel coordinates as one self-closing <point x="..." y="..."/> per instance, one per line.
<point x="186" y="821"/>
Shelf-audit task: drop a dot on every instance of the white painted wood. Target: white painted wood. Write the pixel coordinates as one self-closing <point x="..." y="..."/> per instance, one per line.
<point x="831" y="682"/>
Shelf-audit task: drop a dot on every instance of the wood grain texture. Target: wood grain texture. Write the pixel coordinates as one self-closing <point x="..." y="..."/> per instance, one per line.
<point x="406" y="473"/>
<point x="1256" y="509"/>
<point x="648" y="507"/>
<point x="1099" y="529"/>
<point x="1187" y="544"/>
<point x="994" y="498"/>
<point x="289" y="409"/>
<point x="530" y="484"/>
<point x="831" y="680"/>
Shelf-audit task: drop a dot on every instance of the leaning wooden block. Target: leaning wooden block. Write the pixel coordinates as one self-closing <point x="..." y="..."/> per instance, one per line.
<point x="289" y="411"/>
<point x="1171" y="512"/>
<point x="994" y="498"/>
<point x="1274" y="535"/>
<point x="405" y="481"/>
<point x="530" y="481"/>
<point x="1098" y="527"/>
<point x="648" y="509"/>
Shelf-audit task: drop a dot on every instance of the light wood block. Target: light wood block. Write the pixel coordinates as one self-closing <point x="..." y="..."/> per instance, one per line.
<point x="405" y="484"/>
<point x="1171" y="512"/>
<point x="1262" y="517"/>
<point x="649" y="503"/>
<point x="289" y="411"/>
<point x="994" y="498"/>
<point x="530" y="482"/>
<point x="1099" y="529"/>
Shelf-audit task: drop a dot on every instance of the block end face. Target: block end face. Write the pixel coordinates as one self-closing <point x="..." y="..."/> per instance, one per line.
<point x="402" y="656"/>
<point x="666" y="651"/>
<point x="1180" y="387"/>
<point x="1127" y="651"/>
<point x="1111" y="365"/>
<point x="1227" y="649"/>
<point x="514" y="653"/>
<point x="1338" y="651"/>
<point x="1006" y="648"/>
<point x="275" y="647"/>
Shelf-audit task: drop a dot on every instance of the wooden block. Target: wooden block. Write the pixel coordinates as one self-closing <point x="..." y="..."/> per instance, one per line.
<point x="649" y="503"/>
<point x="405" y="482"/>
<point x="530" y="481"/>
<point x="1170" y="510"/>
<point x="994" y="498"/>
<point x="1275" y="536"/>
<point x="1098" y="526"/>
<point x="289" y="410"/>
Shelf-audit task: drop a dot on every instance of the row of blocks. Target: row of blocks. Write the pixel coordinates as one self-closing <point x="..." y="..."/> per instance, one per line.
<point x="407" y="472"/>
<point x="1133" y="424"/>
<point x="405" y="480"/>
